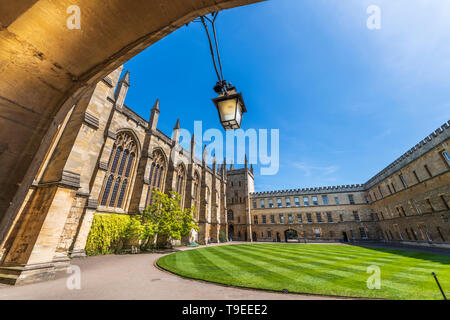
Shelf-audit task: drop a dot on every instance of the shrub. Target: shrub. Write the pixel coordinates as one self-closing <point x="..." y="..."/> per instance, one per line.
<point x="222" y="237"/>
<point x="107" y="233"/>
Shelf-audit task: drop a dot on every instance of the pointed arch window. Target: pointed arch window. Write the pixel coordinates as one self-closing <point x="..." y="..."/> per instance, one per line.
<point x="196" y="193"/>
<point x="122" y="163"/>
<point x="180" y="180"/>
<point x="157" y="174"/>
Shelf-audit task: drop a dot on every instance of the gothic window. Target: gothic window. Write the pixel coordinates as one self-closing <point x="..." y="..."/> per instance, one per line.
<point x="230" y="215"/>
<point x="196" y="191"/>
<point x="157" y="173"/>
<point x="121" y="164"/>
<point x="180" y="180"/>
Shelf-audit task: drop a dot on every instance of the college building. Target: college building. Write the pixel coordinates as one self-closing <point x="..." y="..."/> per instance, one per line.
<point x="406" y="203"/>
<point x="105" y="158"/>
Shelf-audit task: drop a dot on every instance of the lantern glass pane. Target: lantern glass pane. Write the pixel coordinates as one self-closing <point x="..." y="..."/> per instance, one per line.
<point x="239" y="114"/>
<point x="227" y="109"/>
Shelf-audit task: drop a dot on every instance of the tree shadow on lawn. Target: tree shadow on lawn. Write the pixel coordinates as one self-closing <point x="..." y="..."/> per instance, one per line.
<point x="415" y="253"/>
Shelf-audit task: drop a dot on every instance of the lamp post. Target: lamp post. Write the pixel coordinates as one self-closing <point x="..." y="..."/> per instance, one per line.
<point x="229" y="103"/>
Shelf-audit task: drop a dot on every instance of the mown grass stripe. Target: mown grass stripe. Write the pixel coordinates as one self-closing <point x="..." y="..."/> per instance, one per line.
<point x="310" y="268"/>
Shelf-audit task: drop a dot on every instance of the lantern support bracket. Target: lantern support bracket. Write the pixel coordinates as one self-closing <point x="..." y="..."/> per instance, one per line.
<point x="222" y="86"/>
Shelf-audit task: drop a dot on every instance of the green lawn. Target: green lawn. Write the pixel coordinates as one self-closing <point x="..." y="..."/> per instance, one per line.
<point x="315" y="268"/>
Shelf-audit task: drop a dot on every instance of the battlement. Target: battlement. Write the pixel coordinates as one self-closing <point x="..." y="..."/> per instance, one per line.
<point x="432" y="140"/>
<point x="309" y="191"/>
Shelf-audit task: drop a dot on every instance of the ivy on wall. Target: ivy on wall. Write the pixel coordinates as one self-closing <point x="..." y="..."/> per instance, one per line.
<point x="107" y="233"/>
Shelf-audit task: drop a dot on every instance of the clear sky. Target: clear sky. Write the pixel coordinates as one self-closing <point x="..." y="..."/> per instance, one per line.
<point x="347" y="100"/>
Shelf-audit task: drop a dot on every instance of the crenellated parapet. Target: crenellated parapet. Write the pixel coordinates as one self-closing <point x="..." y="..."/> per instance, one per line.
<point x="435" y="138"/>
<point x="309" y="191"/>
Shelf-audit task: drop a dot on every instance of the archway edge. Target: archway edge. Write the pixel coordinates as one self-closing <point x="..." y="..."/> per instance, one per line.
<point x="46" y="68"/>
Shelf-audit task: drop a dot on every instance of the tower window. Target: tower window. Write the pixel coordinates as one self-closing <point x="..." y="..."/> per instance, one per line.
<point x="325" y="200"/>
<point x="288" y="202"/>
<point x="446" y="157"/>
<point x="428" y="171"/>
<point x="319" y="217"/>
<point x="329" y="217"/>
<point x="315" y="202"/>
<point x="351" y="199"/>
<point x="279" y="205"/>
<point x="402" y="179"/>
<point x="306" y="201"/>
<point x="416" y="176"/>
<point x="444" y="202"/>
<point x="363" y="233"/>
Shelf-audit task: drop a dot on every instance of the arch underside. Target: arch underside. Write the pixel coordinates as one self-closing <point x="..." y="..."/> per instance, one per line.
<point x="46" y="68"/>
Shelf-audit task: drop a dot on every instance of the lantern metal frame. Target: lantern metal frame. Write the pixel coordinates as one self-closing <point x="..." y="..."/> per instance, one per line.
<point x="224" y="89"/>
<point x="231" y="124"/>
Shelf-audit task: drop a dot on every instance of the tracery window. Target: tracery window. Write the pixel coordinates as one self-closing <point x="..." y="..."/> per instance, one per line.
<point x="157" y="173"/>
<point x="196" y="191"/>
<point x="121" y="166"/>
<point x="180" y="181"/>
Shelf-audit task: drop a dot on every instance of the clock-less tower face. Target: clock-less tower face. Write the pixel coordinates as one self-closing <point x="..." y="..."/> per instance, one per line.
<point x="240" y="183"/>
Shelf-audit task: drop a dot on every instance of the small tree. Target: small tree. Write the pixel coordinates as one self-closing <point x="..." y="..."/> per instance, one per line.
<point x="167" y="218"/>
<point x="143" y="229"/>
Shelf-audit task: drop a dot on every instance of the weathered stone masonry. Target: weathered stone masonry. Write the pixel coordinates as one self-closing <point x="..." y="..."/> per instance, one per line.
<point x="407" y="203"/>
<point x="106" y="158"/>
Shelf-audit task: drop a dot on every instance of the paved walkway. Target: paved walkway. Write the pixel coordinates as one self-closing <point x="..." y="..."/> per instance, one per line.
<point x="135" y="277"/>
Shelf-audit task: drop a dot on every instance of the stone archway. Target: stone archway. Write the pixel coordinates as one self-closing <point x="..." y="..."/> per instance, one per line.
<point x="291" y="235"/>
<point x="47" y="69"/>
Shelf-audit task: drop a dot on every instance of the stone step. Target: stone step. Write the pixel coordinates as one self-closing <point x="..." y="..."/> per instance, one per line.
<point x="8" y="279"/>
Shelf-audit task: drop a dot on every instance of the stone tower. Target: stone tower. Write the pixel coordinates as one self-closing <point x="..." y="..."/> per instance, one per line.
<point x="240" y="183"/>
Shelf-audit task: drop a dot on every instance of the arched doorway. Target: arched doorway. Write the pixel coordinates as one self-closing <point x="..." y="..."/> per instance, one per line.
<point x="230" y="231"/>
<point x="61" y="71"/>
<point x="278" y="237"/>
<point x="254" y="238"/>
<point x="344" y="236"/>
<point x="291" y="235"/>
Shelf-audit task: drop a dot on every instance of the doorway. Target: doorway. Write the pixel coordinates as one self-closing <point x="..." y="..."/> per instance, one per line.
<point x="344" y="234"/>
<point x="291" y="235"/>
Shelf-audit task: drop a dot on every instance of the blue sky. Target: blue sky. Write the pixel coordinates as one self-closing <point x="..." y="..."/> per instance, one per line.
<point x="347" y="100"/>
